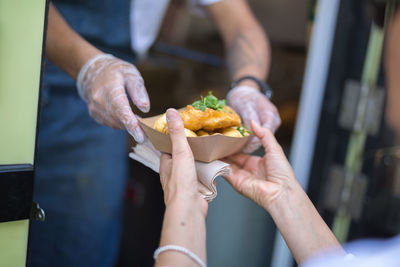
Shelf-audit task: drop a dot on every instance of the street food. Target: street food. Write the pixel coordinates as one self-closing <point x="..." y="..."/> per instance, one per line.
<point x="207" y="116"/>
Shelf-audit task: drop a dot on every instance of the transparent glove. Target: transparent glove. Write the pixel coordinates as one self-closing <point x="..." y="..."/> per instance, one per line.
<point x="103" y="82"/>
<point x="251" y="104"/>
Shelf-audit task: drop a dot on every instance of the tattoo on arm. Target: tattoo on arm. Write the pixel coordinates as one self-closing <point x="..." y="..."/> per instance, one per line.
<point x="242" y="53"/>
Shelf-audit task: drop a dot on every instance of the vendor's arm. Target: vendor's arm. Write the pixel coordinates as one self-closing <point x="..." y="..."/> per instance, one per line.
<point x="184" y="218"/>
<point x="392" y="68"/>
<point x="103" y="80"/>
<point x="248" y="53"/>
<point x="64" y="47"/>
<point x="270" y="182"/>
<point x="246" y="45"/>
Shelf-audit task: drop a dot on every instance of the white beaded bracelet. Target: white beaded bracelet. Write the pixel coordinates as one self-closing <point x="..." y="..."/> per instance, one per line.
<point x="82" y="72"/>
<point x="180" y="249"/>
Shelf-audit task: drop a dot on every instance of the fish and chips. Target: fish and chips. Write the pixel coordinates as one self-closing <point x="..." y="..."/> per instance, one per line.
<point x="205" y="117"/>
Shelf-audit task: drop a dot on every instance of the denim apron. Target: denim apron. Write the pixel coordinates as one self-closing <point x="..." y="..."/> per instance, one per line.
<point x="81" y="165"/>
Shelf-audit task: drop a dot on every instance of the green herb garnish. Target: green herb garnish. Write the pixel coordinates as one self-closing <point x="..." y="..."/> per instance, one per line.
<point x="242" y="130"/>
<point x="209" y="101"/>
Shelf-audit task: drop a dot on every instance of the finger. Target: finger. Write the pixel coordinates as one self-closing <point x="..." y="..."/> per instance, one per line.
<point x="165" y="168"/>
<point x="137" y="91"/>
<point x="234" y="178"/>
<point x="272" y="122"/>
<point x="164" y="160"/>
<point x="238" y="159"/>
<point x="180" y="147"/>
<point x="101" y="117"/>
<point x="121" y="108"/>
<point x="248" y="113"/>
<point x="266" y="136"/>
<point x="268" y="114"/>
<point x="232" y="174"/>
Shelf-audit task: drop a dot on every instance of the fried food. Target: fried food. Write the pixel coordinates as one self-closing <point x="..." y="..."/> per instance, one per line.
<point x="202" y="133"/>
<point x="231" y="131"/>
<point x="161" y="125"/>
<point x="207" y="116"/>
<point x="190" y="133"/>
<point x="209" y="119"/>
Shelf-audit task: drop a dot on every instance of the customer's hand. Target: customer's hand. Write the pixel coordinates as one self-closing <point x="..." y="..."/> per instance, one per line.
<point x="177" y="171"/>
<point x="251" y="104"/>
<point x="103" y="83"/>
<point x="265" y="179"/>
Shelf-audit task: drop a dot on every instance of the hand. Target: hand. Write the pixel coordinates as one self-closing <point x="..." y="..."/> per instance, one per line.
<point x="265" y="179"/>
<point x="177" y="172"/>
<point x="270" y="182"/>
<point x="251" y="104"/>
<point x="102" y="83"/>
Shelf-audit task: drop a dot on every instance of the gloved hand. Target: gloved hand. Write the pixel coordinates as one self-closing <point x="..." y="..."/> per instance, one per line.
<point x="251" y="104"/>
<point x="102" y="82"/>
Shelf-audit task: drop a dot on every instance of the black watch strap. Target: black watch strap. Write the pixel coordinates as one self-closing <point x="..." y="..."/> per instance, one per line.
<point x="263" y="86"/>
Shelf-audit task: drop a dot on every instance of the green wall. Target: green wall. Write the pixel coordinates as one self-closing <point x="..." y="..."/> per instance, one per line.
<point x="13" y="243"/>
<point x="21" y="35"/>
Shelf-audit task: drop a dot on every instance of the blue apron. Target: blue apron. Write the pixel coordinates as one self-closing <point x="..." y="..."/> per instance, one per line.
<point x="81" y="165"/>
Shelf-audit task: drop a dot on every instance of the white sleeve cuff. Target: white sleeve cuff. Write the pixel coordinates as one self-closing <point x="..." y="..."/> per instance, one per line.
<point x="206" y="2"/>
<point x="349" y="257"/>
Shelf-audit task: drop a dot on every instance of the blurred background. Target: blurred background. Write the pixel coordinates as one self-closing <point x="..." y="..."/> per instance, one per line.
<point x="186" y="62"/>
<point x="340" y="124"/>
<point x="327" y="71"/>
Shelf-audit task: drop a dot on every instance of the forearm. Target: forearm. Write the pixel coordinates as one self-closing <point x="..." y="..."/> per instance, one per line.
<point x="246" y="44"/>
<point x="183" y="226"/>
<point x="248" y="53"/>
<point x="303" y="229"/>
<point x="64" y="47"/>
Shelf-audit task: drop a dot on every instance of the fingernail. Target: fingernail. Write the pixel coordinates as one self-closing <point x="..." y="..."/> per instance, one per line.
<point x="255" y="123"/>
<point x="144" y="107"/>
<point x="172" y="114"/>
<point x="137" y="134"/>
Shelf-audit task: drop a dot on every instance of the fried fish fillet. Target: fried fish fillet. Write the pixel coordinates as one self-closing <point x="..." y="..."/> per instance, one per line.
<point x="209" y="119"/>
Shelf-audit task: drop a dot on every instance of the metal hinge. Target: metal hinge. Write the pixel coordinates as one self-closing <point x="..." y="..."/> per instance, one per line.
<point x="37" y="212"/>
<point x="357" y="116"/>
<point x="345" y="192"/>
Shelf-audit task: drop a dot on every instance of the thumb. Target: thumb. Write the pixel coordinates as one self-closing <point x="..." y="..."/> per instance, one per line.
<point x="180" y="145"/>
<point x="267" y="138"/>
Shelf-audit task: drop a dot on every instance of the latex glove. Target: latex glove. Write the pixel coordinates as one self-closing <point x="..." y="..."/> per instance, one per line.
<point x="103" y="82"/>
<point x="251" y="104"/>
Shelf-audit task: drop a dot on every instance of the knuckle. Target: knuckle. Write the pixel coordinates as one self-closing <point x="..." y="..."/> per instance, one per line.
<point x="183" y="152"/>
<point x="127" y="118"/>
<point x="96" y="96"/>
<point x="92" y="110"/>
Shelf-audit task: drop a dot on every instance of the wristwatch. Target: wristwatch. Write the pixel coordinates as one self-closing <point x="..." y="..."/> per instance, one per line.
<point x="263" y="86"/>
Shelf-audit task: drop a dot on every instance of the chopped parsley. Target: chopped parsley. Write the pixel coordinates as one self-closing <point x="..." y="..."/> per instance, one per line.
<point x="242" y="130"/>
<point x="209" y="101"/>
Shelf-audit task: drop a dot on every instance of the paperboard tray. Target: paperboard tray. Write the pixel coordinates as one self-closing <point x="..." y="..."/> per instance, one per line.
<point x="204" y="148"/>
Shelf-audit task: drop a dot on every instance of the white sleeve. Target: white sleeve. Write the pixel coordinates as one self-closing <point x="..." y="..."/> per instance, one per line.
<point x="369" y="253"/>
<point x="206" y="2"/>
